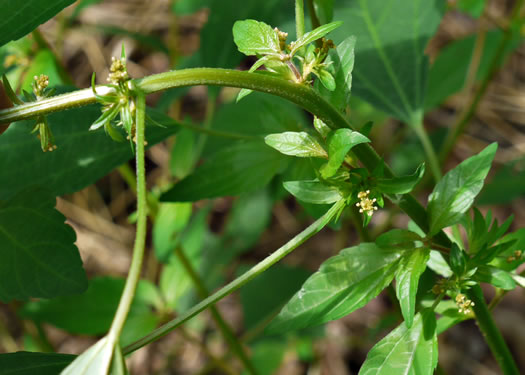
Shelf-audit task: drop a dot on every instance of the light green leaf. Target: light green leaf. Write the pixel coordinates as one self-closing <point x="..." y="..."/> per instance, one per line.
<point x="243" y="167"/>
<point x="82" y="156"/>
<point x="256" y="38"/>
<point x="267" y="355"/>
<point x="339" y="143"/>
<point x="313" y="35"/>
<point x="391" y="67"/>
<point x="438" y="264"/>
<point x="183" y="154"/>
<point x="91" y="313"/>
<point x="341" y="62"/>
<point x="455" y="192"/>
<point x="398" y="237"/>
<point x="300" y="144"/>
<point x="94" y="361"/>
<point x="495" y="276"/>
<point x="19" y="19"/>
<point x="313" y="191"/>
<point x="27" y="363"/>
<point x="410" y="269"/>
<point x="343" y="284"/>
<point x="405" y="350"/>
<point x="401" y="185"/>
<point x="327" y="79"/>
<point x="170" y="221"/>
<point x="38" y="257"/>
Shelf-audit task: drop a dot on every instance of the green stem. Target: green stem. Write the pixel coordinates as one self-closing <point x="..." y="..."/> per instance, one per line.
<point x="299" y="18"/>
<point x="241" y="280"/>
<point x="491" y="333"/>
<point x="465" y="118"/>
<point x="140" y="237"/>
<point x="226" y="330"/>
<point x="313" y="17"/>
<point x="430" y="153"/>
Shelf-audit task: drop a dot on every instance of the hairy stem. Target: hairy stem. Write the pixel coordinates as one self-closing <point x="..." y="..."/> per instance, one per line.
<point x="140" y="236"/>
<point x="240" y="281"/>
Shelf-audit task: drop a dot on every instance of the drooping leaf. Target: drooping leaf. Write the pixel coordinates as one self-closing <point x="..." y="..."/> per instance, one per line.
<point x="341" y="62"/>
<point x="300" y="144"/>
<point x="256" y="38"/>
<point x="170" y="221"/>
<point x="30" y="363"/>
<point x="410" y="270"/>
<point x="315" y="34"/>
<point x="82" y="156"/>
<point x="343" y="284"/>
<point x="339" y="143"/>
<point x="455" y="192"/>
<point x="38" y="257"/>
<point x="91" y="313"/>
<point x="405" y="350"/>
<point x="401" y="185"/>
<point x="313" y="191"/>
<point x="19" y="19"/>
<point x="391" y="68"/>
<point x="243" y="167"/>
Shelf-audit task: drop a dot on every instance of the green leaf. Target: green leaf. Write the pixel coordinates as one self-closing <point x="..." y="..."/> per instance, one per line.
<point x="313" y="35"/>
<point x="243" y="167"/>
<point x="401" y="185"/>
<point x="407" y="280"/>
<point x="343" y="284"/>
<point x="455" y="192"/>
<point x="327" y="79"/>
<point x="265" y="295"/>
<point x="27" y="363"/>
<point x="38" y="257"/>
<point x="405" y="350"/>
<point x="458" y="260"/>
<point x="313" y="191"/>
<point x="506" y="185"/>
<point x="472" y="7"/>
<point x="398" y="237"/>
<point x="438" y="264"/>
<point x="341" y="62"/>
<point x="182" y="159"/>
<point x="518" y="244"/>
<point x="19" y="19"/>
<point x="92" y="312"/>
<point x="267" y="355"/>
<point x="256" y="38"/>
<point x="339" y="143"/>
<point x="448" y="73"/>
<point x="170" y="221"/>
<point x="46" y="63"/>
<point x="82" y="156"/>
<point x="300" y="144"/>
<point x="94" y="361"/>
<point x="324" y="9"/>
<point x="495" y="276"/>
<point x="391" y="68"/>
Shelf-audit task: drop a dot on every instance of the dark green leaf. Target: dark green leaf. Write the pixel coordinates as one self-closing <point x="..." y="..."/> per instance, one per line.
<point x="38" y="257"/>
<point x="315" y="34"/>
<point x="405" y="350"/>
<point x="82" y="156"/>
<point x="20" y="18"/>
<point x="300" y="144"/>
<point x="401" y="185"/>
<point x="170" y="221"/>
<point x="517" y="239"/>
<point x="313" y="191"/>
<point x="91" y="313"/>
<point x="341" y="65"/>
<point x="455" y="192"/>
<point x="495" y="276"/>
<point x="410" y="269"/>
<point x="324" y="9"/>
<point x="267" y="355"/>
<point x="256" y="38"/>
<point x="265" y="295"/>
<point x="458" y="260"/>
<point x="27" y="363"/>
<point x="243" y="167"/>
<point x="343" y="284"/>
<point x="339" y="143"/>
<point x="391" y="68"/>
<point x="397" y="237"/>
<point x="182" y="157"/>
<point x="506" y="185"/>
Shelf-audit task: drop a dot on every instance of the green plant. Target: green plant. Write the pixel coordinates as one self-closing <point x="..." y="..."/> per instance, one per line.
<point x="39" y="259"/>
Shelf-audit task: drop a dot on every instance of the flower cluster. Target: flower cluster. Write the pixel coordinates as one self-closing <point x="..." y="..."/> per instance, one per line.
<point x="464" y="304"/>
<point x="39" y="85"/>
<point x="366" y="204"/>
<point x="515" y="256"/>
<point x="118" y="72"/>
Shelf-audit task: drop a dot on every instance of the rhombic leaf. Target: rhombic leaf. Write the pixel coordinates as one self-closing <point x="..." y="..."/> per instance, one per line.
<point x="313" y="191"/>
<point x="405" y="350"/>
<point x="256" y="38"/>
<point x="300" y="144"/>
<point x="455" y="192"/>
<point x="20" y="18"/>
<point x="38" y="257"/>
<point x="343" y="284"/>
<point x="391" y="68"/>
